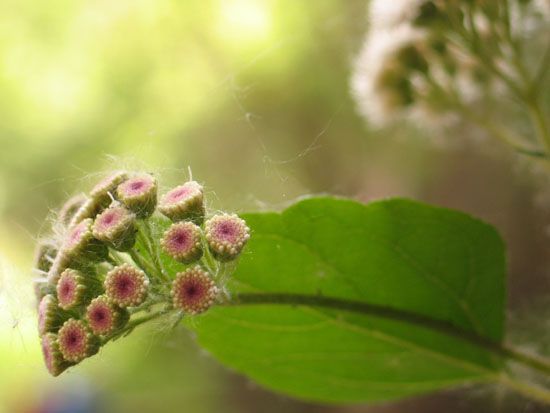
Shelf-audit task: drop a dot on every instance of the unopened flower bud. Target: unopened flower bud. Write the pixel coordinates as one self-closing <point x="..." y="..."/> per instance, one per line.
<point x="75" y="288"/>
<point x="116" y="226"/>
<point x="104" y="191"/>
<point x="89" y="209"/>
<point x="70" y="208"/>
<point x="104" y="317"/>
<point x="193" y="291"/>
<point x="76" y="341"/>
<point x="126" y="286"/>
<point x="226" y="236"/>
<point x="184" y="202"/>
<point x="182" y="241"/>
<point x="50" y="316"/>
<point x="80" y="244"/>
<point x="55" y="363"/>
<point x="139" y="195"/>
<point x="44" y="255"/>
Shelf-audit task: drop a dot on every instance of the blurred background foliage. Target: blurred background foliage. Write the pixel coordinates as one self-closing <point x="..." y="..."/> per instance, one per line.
<point x="253" y="96"/>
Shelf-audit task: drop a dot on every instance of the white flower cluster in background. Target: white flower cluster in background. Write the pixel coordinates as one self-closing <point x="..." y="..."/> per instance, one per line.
<point x="438" y="61"/>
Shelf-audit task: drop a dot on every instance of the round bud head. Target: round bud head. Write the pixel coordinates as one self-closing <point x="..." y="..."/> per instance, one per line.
<point x="105" y="189"/>
<point x="52" y="356"/>
<point x="116" y="226"/>
<point x="182" y="241"/>
<point x="80" y="244"/>
<point x="44" y="255"/>
<point x="126" y="286"/>
<point x="104" y="317"/>
<point x="73" y="289"/>
<point x="50" y="317"/>
<point x="184" y="202"/>
<point x="226" y="236"/>
<point x="193" y="291"/>
<point x="70" y="208"/>
<point x="139" y="195"/>
<point x="76" y="341"/>
<point x="89" y="209"/>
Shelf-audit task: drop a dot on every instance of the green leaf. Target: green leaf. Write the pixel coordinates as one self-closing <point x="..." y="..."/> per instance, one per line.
<point x="425" y="262"/>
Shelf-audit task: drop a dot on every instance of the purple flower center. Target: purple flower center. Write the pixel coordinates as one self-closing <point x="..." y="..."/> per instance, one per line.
<point x="125" y="285"/>
<point x="179" y="193"/>
<point x="180" y="240"/>
<point x="74" y="339"/>
<point x="227" y="231"/>
<point x="109" y="219"/>
<point x="100" y="318"/>
<point x="192" y="291"/>
<point x="136" y="186"/>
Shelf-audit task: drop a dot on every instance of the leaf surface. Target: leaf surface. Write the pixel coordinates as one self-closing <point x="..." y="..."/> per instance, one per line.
<point x="397" y="254"/>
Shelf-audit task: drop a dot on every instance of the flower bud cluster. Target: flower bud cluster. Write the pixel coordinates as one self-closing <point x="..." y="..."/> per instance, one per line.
<point x="124" y="258"/>
<point x="432" y="58"/>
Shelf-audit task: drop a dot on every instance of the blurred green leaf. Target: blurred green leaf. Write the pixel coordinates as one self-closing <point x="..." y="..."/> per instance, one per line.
<point x="426" y="261"/>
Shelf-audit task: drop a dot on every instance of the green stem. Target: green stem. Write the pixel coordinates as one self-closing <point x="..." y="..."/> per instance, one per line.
<point x="537" y="84"/>
<point x="144" y="232"/>
<point x="141" y="263"/>
<point x="137" y="322"/>
<point x="153" y="246"/>
<point x="539" y="120"/>
<point x="452" y="99"/>
<point x="502" y="134"/>
<point x="208" y="260"/>
<point x="496" y="349"/>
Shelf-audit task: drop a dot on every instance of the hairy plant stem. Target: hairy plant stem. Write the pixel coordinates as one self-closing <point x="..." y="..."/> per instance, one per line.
<point x="499" y="350"/>
<point x="539" y="120"/>
<point x="525" y="88"/>
<point x="143" y="264"/>
<point x="152" y="247"/>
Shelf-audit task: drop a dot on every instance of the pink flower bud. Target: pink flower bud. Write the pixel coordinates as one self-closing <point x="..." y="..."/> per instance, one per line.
<point x="182" y="241"/>
<point x="139" y="195"/>
<point x="50" y="316"/>
<point x="76" y="341"/>
<point x="184" y="202"/>
<point x="104" y="317"/>
<point x="226" y="236"/>
<point x="52" y="356"/>
<point x="193" y="291"/>
<point x="126" y="286"/>
<point x="105" y="189"/>
<point x="80" y="244"/>
<point x="116" y="226"/>
<point x="74" y="288"/>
